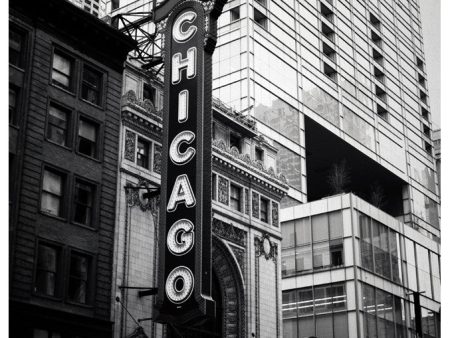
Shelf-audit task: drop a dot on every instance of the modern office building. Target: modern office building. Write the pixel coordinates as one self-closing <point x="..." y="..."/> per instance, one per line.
<point x="65" y="74"/>
<point x="340" y="88"/>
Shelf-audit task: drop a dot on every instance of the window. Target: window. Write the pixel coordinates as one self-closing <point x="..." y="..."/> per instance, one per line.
<point x="13" y="103"/>
<point x="260" y="18"/>
<point x="149" y="93"/>
<point x="425" y="113"/>
<point x="375" y="21"/>
<point x="329" y="51"/>
<point x="377" y="56"/>
<point x="83" y="202"/>
<point x="91" y="89"/>
<point x="380" y="93"/>
<point x="47" y="270"/>
<point x="143" y="153"/>
<point x="87" y="137"/>
<point x="379" y="75"/>
<point x="421" y="80"/>
<point x="264" y="210"/>
<point x="235" y="197"/>
<point x="78" y="290"/>
<point x="62" y="72"/>
<point x="16" y="47"/>
<point x="235" y="13"/>
<point x="327" y="31"/>
<point x="423" y="96"/>
<point x="376" y="38"/>
<point x="52" y="193"/>
<point x="419" y="63"/>
<point x="213" y="186"/>
<point x="382" y="112"/>
<point x="259" y="154"/>
<point x="235" y="141"/>
<point x="326" y="12"/>
<point x="57" y="124"/>
<point x="329" y="71"/>
<point x="428" y="148"/>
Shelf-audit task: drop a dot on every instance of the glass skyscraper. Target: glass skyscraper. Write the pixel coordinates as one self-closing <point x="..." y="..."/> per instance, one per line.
<point x="340" y="89"/>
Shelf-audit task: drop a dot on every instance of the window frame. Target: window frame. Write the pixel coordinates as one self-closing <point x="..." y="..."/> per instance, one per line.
<point x="266" y="201"/>
<point x="149" y="154"/>
<point x="68" y="129"/>
<point x="101" y="90"/>
<point x="90" y="290"/>
<point x="94" y="204"/>
<point x="63" y="199"/>
<point x="23" y="48"/>
<point x="98" y="147"/>
<point x="58" y="273"/>
<point x="13" y="115"/>
<point x="238" y="200"/>
<point x="73" y="69"/>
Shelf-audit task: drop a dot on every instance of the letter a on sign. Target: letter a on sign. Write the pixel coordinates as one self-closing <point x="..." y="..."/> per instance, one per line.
<point x="182" y="192"/>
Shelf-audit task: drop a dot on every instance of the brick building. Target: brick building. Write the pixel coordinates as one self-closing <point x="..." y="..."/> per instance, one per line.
<point x="65" y="85"/>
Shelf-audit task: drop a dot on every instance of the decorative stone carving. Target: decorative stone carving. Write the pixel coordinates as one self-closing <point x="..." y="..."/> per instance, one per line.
<point x="157" y="159"/>
<point x="135" y="198"/>
<point x="144" y="106"/>
<point x="130" y="145"/>
<point x="234" y="154"/>
<point x="264" y="246"/>
<point x="275" y="216"/>
<point x="255" y="204"/>
<point x="240" y="257"/>
<point x="246" y="202"/>
<point x="229" y="232"/>
<point x="222" y="190"/>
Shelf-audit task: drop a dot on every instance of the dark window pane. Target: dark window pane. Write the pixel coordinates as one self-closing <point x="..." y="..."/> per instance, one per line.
<point x="46" y="271"/>
<point x="83" y="199"/>
<point x="306" y="326"/>
<point x="290" y="328"/>
<point x="340" y="325"/>
<point x="235" y="141"/>
<point x="16" y="47"/>
<point x="264" y="210"/>
<point x="87" y="138"/>
<point x="92" y="85"/>
<point x="235" y="197"/>
<point x="13" y="103"/>
<point x="78" y="279"/>
<point x="149" y="93"/>
<point x="336" y="252"/>
<point x="143" y="153"/>
<point x="57" y="125"/>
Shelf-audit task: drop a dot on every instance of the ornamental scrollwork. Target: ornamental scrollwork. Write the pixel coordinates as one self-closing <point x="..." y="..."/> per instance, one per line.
<point x="229" y="232"/>
<point x="265" y="247"/>
<point x="130" y="145"/>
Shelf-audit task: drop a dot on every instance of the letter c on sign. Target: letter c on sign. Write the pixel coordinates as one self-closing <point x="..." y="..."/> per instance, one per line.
<point x="176" y="156"/>
<point x="178" y="34"/>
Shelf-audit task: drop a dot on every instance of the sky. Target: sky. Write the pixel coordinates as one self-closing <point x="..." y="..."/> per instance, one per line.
<point x="431" y="29"/>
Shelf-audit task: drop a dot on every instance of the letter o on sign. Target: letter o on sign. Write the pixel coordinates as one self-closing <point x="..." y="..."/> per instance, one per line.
<point x="179" y="284"/>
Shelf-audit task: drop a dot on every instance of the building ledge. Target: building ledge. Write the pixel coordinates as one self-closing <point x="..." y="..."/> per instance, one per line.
<point x="244" y="124"/>
<point x="141" y="109"/>
<point x="243" y="162"/>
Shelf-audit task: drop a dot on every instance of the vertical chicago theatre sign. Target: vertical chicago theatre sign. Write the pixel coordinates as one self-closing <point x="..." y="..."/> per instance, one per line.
<point x="184" y="276"/>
